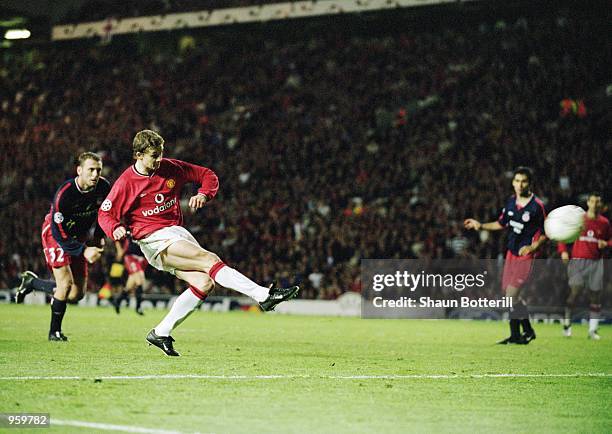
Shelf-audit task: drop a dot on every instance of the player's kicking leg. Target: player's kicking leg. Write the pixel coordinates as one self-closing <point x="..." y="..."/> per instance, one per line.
<point x="30" y="282"/>
<point x="184" y="255"/>
<point x="205" y="269"/>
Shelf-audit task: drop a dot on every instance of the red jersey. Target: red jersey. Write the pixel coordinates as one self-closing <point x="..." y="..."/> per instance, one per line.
<point x="147" y="203"/>
<point x="585" y="247"/>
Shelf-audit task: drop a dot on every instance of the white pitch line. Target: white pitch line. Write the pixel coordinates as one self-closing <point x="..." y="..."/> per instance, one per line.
<point x="110" y="427"/>
<point x="312" y="377"/>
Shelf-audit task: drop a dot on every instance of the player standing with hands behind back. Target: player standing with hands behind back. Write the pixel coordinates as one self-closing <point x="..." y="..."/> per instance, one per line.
<point x="146" y="199"/>
<point x="524" y="214"/>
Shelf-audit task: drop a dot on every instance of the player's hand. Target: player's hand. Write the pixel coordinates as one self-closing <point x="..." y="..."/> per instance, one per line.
<point x="601" y="244"/>
<point x="565" y="257"/>
<point x="119" y="233"/>
<point x="525" y="250"/>
<point x="197" y="201"/>
<point x="92" y="254"/>
<point x="472" y="224"/>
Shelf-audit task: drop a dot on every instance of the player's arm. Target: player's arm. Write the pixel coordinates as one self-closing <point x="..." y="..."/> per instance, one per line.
<point x="205" y="177"/>
<point x="496" y="225"/>
<point x="59" y="229"/>
<point x="563" y="251"/>
<point x="98" y="236"/>
<point x="607" y="240"/>
<point x="112" y="210"/>
<point x="535" y="245"/>
<point x="476" y="225"/>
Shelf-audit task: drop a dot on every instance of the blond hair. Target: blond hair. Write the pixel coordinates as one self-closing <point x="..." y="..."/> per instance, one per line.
<point x="146" y="139"/>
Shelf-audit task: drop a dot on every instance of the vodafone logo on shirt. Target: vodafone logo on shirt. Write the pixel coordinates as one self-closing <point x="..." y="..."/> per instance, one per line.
<point x="159" y="198"/>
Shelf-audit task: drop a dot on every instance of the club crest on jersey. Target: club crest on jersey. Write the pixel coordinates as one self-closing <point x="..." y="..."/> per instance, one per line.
<point x="58" y="217"/>
<point x="106" y="205"/>
<point x="526" y="217"/>
<point x="170" y="183"/>
<point x="590" y="233"/>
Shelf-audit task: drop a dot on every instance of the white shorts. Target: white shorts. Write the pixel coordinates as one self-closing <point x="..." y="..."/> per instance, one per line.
<point x="159" y="241"/>
<point x="586" y="273"/>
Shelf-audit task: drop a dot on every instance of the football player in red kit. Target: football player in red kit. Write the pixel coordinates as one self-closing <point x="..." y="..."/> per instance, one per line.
<point x="586" y="268"/>
<point x="135" y="264"/>
<point x="146" y="201"/>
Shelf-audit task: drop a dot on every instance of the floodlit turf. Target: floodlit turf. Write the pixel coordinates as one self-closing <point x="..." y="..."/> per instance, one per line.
<point x="311" y="355"/>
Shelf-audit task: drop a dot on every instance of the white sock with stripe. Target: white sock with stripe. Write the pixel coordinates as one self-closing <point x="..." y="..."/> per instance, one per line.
<point x="185" y="303"/>
<point x="237" y="281"/>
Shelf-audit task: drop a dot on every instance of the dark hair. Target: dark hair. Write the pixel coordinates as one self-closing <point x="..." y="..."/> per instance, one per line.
<point x="87" y="156"/>
<point x="523" y="170"/>
<point x="146" y="139"/>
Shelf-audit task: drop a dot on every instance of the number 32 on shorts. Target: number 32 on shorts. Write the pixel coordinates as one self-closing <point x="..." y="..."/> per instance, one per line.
<point x="54" y="254"/>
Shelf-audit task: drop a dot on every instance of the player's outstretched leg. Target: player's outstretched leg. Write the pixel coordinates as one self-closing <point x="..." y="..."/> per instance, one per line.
<point x="183" y="255"/>
<point x="30" y="282"/>
<point x="25" y="287"/>
<point x="268" y="298"/>
<point x="278" y="295"/>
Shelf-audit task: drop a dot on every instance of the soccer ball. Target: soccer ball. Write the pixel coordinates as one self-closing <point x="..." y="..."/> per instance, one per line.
<point x="565" y="223"/>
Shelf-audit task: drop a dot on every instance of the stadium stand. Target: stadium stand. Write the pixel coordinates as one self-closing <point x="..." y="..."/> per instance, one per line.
<point x="332" y="143"/>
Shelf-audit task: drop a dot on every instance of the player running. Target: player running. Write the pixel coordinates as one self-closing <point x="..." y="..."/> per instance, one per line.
<point x="146" y="200"/>
<point x="586" y="268"/>
<point x="65" y="242"/>
<point x="524" y="215"/>
<point x="135" y="264"/>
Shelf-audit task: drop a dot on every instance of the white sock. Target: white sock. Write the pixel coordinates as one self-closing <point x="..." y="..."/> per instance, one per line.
<point x="182" y="307"/>
<point x="593" y="323"/>
<point x="237" y="281"/>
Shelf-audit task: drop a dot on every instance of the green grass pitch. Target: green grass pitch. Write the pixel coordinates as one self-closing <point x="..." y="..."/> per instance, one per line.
<point x="322" y="364"/>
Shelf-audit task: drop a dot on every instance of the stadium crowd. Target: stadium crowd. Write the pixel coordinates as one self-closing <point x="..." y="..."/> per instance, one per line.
<point x="329" y="148"/>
